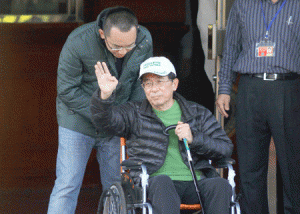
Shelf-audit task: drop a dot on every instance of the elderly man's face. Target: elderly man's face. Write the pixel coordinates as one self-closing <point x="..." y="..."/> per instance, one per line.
<point x="123" y="41"/>
<point x="159" y="91"/>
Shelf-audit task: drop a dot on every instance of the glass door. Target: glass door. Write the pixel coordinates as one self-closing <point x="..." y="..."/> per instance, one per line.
<point x="41" y="11"/>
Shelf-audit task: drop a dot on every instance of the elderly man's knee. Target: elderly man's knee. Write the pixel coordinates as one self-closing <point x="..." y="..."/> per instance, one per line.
<point x="161" y="185"/>
<point x="219" y="185"/>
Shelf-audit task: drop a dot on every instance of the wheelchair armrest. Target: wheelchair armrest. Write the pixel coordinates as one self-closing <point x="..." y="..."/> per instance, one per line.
<point x="131" y="164"/>
<point x="223" y="163"/>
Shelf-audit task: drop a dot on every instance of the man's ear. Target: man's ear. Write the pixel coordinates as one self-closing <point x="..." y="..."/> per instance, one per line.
<point x="101" y="34"/>
<point x="175" y="84"/>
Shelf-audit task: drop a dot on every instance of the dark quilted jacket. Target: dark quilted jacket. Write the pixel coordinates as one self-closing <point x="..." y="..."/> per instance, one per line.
<point x="76" y="79"/>
<point x="146" y="142"/>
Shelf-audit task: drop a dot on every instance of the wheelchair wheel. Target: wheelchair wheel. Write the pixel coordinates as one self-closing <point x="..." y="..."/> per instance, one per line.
<point x="112" y="201"/>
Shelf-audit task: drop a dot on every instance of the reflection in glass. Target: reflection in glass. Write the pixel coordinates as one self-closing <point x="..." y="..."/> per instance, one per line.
<point x="12" y="11"/>
<point x="33" y="6"/>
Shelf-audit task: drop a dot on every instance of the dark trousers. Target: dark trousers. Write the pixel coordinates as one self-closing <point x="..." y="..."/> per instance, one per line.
<point x="166" y="195"/>
<point x="265" y="109"/>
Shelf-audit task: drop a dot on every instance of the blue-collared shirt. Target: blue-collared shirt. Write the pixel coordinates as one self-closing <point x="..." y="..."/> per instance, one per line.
<point x="246" y="27"/>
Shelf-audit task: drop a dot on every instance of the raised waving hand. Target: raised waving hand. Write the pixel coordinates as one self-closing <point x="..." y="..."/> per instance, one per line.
<point x="107" y="83"/>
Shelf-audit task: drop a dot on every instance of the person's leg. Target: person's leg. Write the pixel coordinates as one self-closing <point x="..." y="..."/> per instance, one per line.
<point x="253" y="140"/>
<point x="74" y="150"/>
<point x="108" y="156"/>
<point x="215" y="195"/>
<point x="163" y="196"/>
<point x="285" y="125"/>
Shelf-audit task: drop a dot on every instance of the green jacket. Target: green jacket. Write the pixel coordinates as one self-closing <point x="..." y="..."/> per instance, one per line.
<point x="76" y="79"/>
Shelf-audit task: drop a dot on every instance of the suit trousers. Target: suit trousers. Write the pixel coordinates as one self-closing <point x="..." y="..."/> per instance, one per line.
<point x="265" y="109"/>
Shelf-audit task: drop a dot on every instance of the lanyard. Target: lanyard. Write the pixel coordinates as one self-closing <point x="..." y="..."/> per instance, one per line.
<point x="268" y="27"/>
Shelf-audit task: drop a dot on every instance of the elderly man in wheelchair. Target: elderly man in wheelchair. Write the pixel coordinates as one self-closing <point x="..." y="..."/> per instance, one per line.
<point x="160" y="148"/>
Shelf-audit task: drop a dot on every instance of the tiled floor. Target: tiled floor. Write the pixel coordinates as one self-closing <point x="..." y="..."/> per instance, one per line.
<point x="29" y="201"/>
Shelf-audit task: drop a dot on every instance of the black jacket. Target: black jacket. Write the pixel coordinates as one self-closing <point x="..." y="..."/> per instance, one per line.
<point x="146" y="142"/>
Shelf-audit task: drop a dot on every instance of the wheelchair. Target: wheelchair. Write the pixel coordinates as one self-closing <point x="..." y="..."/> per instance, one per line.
<point x="129" y="196"/>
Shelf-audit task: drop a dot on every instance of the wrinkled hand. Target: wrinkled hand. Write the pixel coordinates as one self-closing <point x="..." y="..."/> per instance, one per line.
<point x="222" y="104"/>
<point x="107" y="83"/>
<point x="183" y="130"/>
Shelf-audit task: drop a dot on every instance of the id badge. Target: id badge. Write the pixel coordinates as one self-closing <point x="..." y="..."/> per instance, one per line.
<point x="265" y="49"/>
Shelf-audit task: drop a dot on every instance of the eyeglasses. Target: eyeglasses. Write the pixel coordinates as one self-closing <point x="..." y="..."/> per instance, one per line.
<point x="120" y="48"/>
<point x="149" y="84"/>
